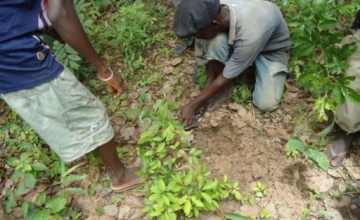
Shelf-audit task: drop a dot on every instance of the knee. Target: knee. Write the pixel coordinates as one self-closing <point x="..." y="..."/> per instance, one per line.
<point x="266" y="105"/>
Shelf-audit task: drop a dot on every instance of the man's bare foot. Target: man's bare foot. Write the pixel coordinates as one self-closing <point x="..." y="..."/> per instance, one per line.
<point x="337" y="149"/>
<point x="355" y="208"/>
<point x="129" y="181"/>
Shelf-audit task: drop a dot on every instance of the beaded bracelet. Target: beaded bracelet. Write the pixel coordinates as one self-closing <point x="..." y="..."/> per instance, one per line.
<point x="107" y="79"/>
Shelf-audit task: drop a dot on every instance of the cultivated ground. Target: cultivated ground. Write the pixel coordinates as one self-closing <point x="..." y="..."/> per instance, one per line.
<point x="236" y="140"/>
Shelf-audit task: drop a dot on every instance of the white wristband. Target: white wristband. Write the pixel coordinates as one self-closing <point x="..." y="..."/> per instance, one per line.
<point x="107" y="79"/>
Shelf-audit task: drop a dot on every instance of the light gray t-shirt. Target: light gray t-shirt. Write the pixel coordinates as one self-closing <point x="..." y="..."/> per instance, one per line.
<point x="256" y="26"/>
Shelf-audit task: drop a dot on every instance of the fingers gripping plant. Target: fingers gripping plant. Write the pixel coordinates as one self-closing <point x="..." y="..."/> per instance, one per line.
<point x="178" y="186"/>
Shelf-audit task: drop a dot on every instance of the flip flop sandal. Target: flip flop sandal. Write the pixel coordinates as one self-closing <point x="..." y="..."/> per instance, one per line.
<point x="183" y="46"/>
<point x="196" y="118"/>
<point x="127" y="186"/>
<point x="339" y="157"/>
<point x="354" y="207"/>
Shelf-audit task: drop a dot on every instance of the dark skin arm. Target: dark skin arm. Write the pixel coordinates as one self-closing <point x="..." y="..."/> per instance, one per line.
<point x="188" y="110"/>
<point x="53" y="34"/>
<point x="65" y="21"/>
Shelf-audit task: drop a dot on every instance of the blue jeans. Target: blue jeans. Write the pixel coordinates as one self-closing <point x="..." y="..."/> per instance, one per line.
<point x="270" y="76"/>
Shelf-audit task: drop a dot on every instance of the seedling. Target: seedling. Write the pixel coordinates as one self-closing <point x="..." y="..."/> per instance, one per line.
<point x="260" y="190"/>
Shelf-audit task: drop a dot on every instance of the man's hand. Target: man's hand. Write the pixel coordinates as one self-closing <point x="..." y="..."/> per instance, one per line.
<point x="187" y="114"/>
<point x="116" y="84"/>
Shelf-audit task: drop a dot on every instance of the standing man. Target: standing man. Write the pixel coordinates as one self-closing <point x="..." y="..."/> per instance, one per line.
<point x="47" y="95"/>
<point x="231" y="36"/>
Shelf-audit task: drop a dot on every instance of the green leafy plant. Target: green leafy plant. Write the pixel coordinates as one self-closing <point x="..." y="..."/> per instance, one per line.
<point x="249" y="199"/>
<point x="54" y="208"/>
<point x="317" y="63"/>
<point x="176" y="189"/>
<point x="260" y="190"/>
<point x="264" y="215"/>
<point x="242" y="93"/>
<point x="315" y="196"/>
<point x="29" y="161"/>
<point x="233" y="216"/>
<point x="68" y="56"/>
<point x="312" y="152"/>
<point x="336" y="194"/>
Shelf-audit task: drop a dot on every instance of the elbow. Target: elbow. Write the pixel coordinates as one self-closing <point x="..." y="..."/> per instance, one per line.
<point x="59" y="10"/>
<point x="55" y="15"/>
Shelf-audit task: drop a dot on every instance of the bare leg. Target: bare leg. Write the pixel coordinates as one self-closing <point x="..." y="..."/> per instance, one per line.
<point x="215" y="68"/>
<point x="118" y="173"/>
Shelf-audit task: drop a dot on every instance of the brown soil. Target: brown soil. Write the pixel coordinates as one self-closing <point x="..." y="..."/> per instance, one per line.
<point x="249" y="149"/>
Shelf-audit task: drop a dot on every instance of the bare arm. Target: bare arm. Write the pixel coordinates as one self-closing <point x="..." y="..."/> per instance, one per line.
<point x="65" y="21"/>
<point x="188" y="111"/>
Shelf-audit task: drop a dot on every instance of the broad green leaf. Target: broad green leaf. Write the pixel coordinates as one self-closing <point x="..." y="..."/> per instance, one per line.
<point x="145" y="209"/>
<point x="165" y="199"/>
<point x="327" y="24"/>
<point x="166" y="216"/>
<point x="155" y="213"/>
<point x="236" y="184"/>
<point x="338" y="95"/>
<point x="206" y="197"/>
<point x="237" y="195"/>
<point x="197" y="202"/>
<point x="12" y="161"/>
<point x="225" y="178"/>
<point x="74" y="65"/>
<point x="319" y="158"/>
<point x="43" y="214"/>
<point x="100" y="210"/>
<point x="188" y="178"/>
<point x="158" y="139"/>
<point x="20" y="189"/>
<point x="171" y="197"/>
<point x="196" y="212"/>
<point x="56" y="204"/>
<point x="160" y="147"/>
<point x="132" y="113"/>
<point x="149" y="153"/>
<point x="215" y="204"/>
<point x="37" y="166"/>
<point x="40" y="200"/>
<point x="296" y="143"/>
<point x="25" y="208"/>
<point x="154" y="197"/>
<point x="351" y="94"/>
<point x="10" y="202"/>
<point x="74" y="57"/>
<point x="187" y="207"/>
<point x="172" y="216"/>
<point x="161" y="185"/>
<point x="210" y="185"/>
<point x="304" y="50"/>
<point x="233" y="216"/>
<point x="30" y="180"/>
<point x="327" y="130"/>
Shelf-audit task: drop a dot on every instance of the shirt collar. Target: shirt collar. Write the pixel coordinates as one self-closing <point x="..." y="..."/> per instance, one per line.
<point x="232" y="25"/>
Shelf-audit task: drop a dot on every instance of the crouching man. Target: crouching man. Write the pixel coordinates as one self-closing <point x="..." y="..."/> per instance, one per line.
<point x="231" y="35"/>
